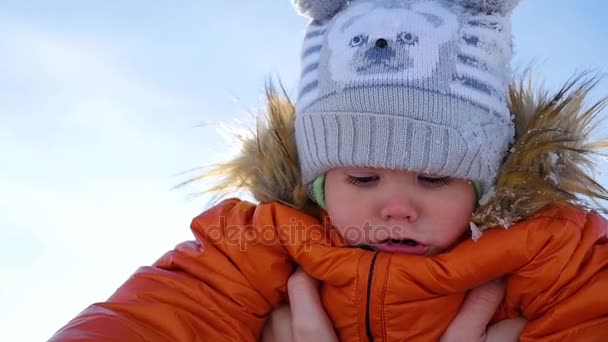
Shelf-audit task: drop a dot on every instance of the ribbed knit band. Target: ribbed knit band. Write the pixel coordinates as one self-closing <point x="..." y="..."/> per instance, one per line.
<point x="440" y="135"/>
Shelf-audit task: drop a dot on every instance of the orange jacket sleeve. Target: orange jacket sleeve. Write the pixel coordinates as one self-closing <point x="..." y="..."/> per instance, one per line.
<point x="209" y="289"/>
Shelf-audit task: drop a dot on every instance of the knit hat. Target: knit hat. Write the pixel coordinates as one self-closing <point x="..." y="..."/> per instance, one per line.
<point x="419" y="85"/>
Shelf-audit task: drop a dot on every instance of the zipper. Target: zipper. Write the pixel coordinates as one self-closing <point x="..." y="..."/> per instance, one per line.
<point x="368" y="319"/>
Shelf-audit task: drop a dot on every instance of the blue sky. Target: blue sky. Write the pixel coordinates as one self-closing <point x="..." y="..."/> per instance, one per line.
<point x="104" y="103"/>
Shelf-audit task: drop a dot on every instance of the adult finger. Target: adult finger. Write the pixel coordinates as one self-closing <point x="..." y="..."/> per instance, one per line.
<point x="278" y="327"/>
<point x="309" y="320"/>
<point x="481" y="303"/>
<point x="507" y="330"/>
<point x="476" y="311"/>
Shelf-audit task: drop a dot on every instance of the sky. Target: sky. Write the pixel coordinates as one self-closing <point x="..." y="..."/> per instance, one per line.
<point x="106" y="105"/>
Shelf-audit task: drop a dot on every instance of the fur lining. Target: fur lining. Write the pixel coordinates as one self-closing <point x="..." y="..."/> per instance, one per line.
<point x="548" y="165"/>
<point x="551" y="161"/>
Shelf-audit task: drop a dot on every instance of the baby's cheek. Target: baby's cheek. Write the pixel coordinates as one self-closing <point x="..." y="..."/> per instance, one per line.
<point x="452" y="224"/>
<point x="354" y="236"/>
<point x="350" y="219"/>
<point x="351" y="232"/>
<point x="454" y="233"/>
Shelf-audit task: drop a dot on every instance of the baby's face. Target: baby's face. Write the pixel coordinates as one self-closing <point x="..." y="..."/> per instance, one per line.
<point x="398" y="211"/>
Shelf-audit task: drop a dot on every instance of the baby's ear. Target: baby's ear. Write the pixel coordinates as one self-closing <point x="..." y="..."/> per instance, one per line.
<point x="319" y="9"/>
<point x="502" y="7"/>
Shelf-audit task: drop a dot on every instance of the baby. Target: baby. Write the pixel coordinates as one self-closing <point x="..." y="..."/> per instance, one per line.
<point x="400" y="140"/>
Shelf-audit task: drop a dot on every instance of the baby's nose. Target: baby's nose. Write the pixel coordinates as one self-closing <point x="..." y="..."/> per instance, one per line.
<point x="400" y="208"/>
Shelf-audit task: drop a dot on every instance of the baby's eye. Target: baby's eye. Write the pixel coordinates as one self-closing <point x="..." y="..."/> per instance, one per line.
<point x="407" y="38"/>
<point x="363" y="180"/>
<point x="358" y="40"/>
<point x="434" y="181"/>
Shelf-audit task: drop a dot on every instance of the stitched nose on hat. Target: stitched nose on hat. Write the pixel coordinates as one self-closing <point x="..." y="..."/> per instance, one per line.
<point x="381" y="43"/>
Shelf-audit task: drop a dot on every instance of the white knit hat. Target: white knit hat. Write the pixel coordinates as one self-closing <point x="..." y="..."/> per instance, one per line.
<point x="418" y="85"/>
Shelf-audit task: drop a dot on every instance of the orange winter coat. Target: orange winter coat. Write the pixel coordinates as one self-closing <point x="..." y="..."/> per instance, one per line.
<point x="223" y="285"/>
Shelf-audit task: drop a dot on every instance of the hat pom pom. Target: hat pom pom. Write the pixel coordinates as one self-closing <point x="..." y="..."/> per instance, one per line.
<point x="319" y="9"/>
<point x="503" y="7"/>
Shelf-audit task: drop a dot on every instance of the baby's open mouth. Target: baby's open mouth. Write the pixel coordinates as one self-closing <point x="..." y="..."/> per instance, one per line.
<point x="401" y="246"/>
<point x="406" y="242"/>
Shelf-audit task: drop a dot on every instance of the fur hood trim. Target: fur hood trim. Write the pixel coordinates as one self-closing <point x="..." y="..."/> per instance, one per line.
<point x="550" y="163"/>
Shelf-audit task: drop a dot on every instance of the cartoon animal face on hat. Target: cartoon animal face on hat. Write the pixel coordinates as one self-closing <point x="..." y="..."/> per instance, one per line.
<point x="362" y="44"/>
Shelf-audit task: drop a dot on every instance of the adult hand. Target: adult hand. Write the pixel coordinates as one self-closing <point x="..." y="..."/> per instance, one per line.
<point x="470" y="324"/>
<point x="304" y="319"/>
